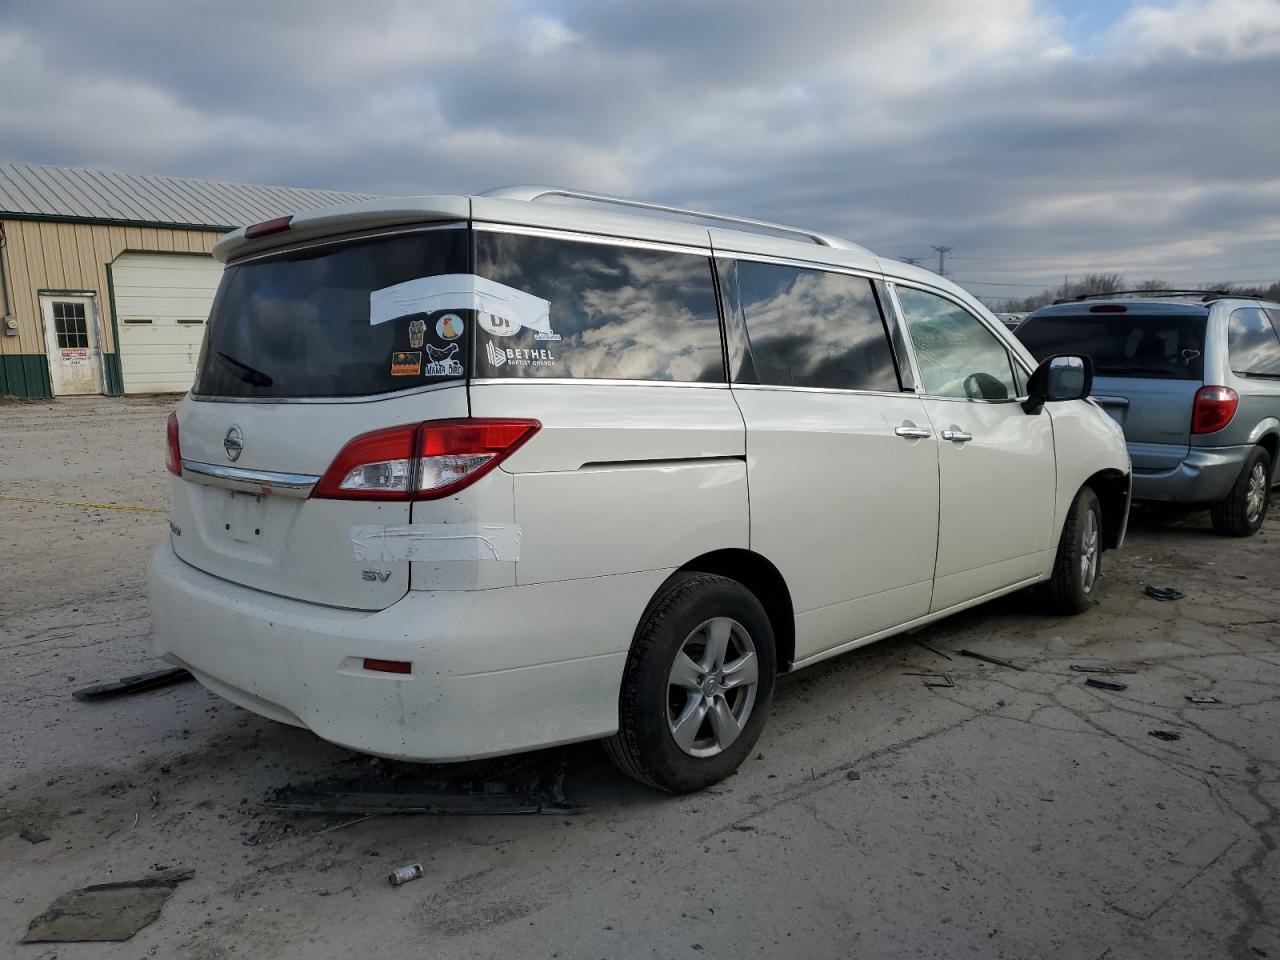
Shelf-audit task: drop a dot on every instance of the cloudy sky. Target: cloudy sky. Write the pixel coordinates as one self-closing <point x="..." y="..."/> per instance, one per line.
<point x="1036" y="137"/>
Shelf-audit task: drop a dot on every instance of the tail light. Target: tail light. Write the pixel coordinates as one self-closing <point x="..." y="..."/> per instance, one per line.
<point x="421" y="461"/>
<point x="172" y="452"/>
<point x="1213" y="409"/>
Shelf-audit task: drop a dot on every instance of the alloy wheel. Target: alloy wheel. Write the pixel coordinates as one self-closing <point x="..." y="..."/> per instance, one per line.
<point x="712" y="686"/>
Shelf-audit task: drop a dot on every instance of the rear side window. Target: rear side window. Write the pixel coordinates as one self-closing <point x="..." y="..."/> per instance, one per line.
<point x="611" y="312"/>
<point x="1168" y="346"/>
<point x="957" y="355"/>
<point x="810" y="328"/>
<point x="300" y="325"/>
<point x="1252" y="343"/>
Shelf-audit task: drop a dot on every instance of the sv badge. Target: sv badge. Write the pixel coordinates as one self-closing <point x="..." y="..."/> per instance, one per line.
<point x="381" y="576"/>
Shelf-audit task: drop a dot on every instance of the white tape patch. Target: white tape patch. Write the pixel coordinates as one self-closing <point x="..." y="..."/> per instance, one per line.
<point x="437" y="541"/>
<point x="460" y="291"/>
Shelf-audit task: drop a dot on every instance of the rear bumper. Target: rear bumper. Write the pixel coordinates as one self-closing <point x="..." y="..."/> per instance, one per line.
<point x="494" y="671"/>
<point x="1205" y="476"/>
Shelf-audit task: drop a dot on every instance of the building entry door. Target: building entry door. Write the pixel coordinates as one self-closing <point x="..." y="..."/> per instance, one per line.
<point x="75" y="353"/>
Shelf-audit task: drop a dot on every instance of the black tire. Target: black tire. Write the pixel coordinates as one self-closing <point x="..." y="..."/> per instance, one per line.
<point x="645" y="747"/>
<point x="1070" y="589"/>
<point x="1238" y="513"/>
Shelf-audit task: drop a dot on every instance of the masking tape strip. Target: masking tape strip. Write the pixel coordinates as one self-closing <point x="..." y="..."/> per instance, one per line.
<point x="437" y="541"/>
<point x="460" y="291"/>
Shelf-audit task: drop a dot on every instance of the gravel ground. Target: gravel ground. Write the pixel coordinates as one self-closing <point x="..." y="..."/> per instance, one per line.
<point x="1016" y="814"/>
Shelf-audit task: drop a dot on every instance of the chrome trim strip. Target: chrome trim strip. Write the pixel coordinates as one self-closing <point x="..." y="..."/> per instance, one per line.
<point x="371" y="398"/>
<point x="250" y="481"/>
<point x="578" y="236"/>
<point x="840" y="390"/>
<point x="569" y="381"/>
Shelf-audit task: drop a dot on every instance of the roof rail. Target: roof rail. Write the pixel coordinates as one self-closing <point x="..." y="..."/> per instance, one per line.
<point x="1116" y="294"/>
<point x="532" y="193"/>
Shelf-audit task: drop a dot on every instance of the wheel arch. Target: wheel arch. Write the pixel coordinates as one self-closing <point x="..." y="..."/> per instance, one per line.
<point x="1270" y="442"/>
<point x="763" y="579"/>
<point x="1112" y="489"/>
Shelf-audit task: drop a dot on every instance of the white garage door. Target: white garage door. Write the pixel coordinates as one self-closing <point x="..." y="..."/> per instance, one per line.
<point x="162" y="304"/>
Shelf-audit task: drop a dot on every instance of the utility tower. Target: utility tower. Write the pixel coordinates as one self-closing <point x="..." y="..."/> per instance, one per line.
<point x="942" y="259"/>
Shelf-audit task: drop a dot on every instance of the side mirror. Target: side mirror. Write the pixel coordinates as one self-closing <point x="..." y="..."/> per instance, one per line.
<point x="1064" y="377"/>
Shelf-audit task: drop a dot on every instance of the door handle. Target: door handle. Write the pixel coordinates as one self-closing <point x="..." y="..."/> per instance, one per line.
<point x="956" y="436"/>
<point x="912" y="432"/>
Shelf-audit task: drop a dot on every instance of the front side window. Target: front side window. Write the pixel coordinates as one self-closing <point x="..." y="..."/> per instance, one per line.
<point x="596" y="310"/>
<point x="1252" y="343"/>
<point x="957" y="355"/>
<point x="810" y="328"/>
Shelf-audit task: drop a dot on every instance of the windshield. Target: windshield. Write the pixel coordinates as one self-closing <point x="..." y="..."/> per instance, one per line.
<point x="1167" y="346"/>
<point x="299" y="324"/>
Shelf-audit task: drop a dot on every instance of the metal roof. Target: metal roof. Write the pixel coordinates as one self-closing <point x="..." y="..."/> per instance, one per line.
<point x="72" y="193"/>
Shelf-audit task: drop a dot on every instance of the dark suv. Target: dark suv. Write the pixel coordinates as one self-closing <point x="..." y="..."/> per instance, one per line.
<point x="1194" y="380"/>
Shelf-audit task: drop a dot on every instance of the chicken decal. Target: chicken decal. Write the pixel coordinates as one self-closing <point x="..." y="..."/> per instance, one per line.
<point x="442" y="362"/>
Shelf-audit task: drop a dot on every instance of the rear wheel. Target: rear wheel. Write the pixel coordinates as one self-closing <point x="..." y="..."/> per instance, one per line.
<point x="1241" y="512"/>
<point x="1079" y="562"/>
<point x="697" y="685"/>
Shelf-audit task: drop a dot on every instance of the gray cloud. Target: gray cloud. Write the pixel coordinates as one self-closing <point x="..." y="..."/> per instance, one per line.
<point x="898" y="124"/>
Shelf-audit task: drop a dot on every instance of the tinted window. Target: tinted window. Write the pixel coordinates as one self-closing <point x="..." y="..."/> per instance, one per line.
<point x="811" y="328"/>
<point x="298" y="324"/>
<point x="957" y="355"/>
<point x="615" y="312"/>
<point x="1252" y="343"/>
<point x="1123" y="344"/>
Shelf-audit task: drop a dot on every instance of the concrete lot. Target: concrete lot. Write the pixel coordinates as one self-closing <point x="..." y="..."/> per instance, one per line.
<point x="1016" y="814"/>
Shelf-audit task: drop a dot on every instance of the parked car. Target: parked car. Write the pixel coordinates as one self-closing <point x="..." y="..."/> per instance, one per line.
<point x="1011" y="320"/>
<point x="1194" y="380"/>
<point x="466" y="476"/>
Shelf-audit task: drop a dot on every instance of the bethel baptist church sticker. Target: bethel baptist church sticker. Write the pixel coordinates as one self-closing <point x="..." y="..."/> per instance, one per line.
<point x="449" y="327"/>
<point x="406" y="364"/>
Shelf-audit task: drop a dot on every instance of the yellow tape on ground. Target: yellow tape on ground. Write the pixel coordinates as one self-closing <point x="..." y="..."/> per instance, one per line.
<point x="130" y="507"/>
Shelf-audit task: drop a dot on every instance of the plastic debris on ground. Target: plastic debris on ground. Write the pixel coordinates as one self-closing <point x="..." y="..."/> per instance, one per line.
<point x="105" y="912"/>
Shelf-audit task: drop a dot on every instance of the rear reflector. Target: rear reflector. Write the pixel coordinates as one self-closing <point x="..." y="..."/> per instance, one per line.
<point x="1213" y="409"/>
<point x="268" y="227"/>
<point x="172" y="452"/>
<point x="421" y="461"/>
<point x="388" y="666"/>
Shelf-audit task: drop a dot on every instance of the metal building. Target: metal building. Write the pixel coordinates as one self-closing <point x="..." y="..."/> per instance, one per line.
<point x="106" y="278"/>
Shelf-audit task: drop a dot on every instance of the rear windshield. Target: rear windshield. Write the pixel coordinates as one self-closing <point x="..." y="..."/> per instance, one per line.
<point x="300" y="324"/>
<point x="1164" y="346"/>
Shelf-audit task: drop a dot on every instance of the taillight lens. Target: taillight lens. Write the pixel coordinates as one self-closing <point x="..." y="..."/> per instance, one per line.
<point x="1213" y="409"/>
<point x="268" y="227"/>
<point x="172" y="450"/>
<point x="423" y="461"/>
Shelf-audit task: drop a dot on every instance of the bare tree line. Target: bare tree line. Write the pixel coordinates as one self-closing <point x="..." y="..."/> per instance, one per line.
<point x="1095" y="283"/>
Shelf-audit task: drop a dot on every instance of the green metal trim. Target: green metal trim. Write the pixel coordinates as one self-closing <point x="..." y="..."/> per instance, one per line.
<point x="111" y="369"/>
<point x="106" y="222"/>
<point x="25" y="375"/>
<point x="45" y="292"/>
<point x="111" y="363"/>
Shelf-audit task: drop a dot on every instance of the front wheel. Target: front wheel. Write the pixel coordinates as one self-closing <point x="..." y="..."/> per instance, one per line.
<point x="1079" y="561"/>
<point x="697" y="685"/>
<point x="1241" y="512"/>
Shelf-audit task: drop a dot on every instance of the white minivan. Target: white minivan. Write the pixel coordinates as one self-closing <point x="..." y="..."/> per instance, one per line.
<point x="465" y="476"/>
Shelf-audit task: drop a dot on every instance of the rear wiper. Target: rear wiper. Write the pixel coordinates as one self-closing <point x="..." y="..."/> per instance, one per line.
<point x="255" y="378"/>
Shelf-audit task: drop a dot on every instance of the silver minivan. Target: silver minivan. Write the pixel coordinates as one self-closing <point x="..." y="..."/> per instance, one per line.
<point x="1194" y="380"/>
